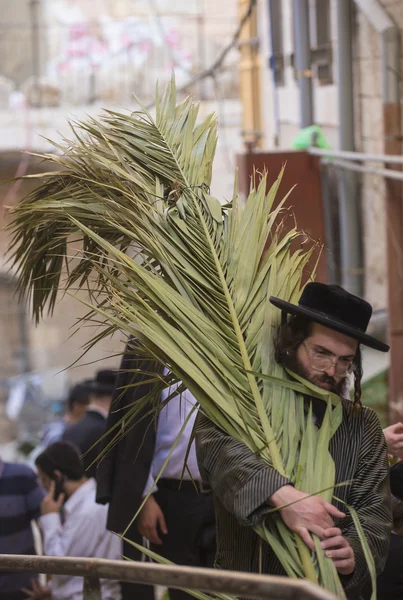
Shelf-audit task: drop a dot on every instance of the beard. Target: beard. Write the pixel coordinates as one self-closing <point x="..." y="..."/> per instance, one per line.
<point x="317" y="378"/>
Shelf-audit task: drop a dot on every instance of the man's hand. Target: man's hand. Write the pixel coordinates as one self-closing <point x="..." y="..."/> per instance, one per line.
<point x="37" y="592"/>
<point x="150" y="518"/>
<point x="307" y="514"/>
<point x="339" y="550"/>
<point x="394" y="439"/>
<point x="49" y="505"/>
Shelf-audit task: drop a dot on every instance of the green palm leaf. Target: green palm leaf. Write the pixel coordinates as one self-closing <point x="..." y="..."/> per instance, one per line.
<point x="129" y="216"/>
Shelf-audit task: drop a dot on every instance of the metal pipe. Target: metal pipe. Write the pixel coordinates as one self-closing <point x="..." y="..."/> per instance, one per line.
<point x="250" y="585"/>
<point x="358" y="156"/>
<point x="388" y="173"/>
<point x="330" y="248"/>
<point x="351" y="254"/>
<point x="345" y="84"/>
<point x="272" y="65"/>
<point x="303" y="60"/>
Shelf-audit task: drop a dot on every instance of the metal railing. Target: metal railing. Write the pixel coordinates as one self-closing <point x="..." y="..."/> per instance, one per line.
<point x="208" y="580"/>
<point x="342" y="217"/>
<point x="346" y="160"/>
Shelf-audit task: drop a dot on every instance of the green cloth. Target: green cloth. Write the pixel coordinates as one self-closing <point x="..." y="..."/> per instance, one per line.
<point x="308" y="137"/>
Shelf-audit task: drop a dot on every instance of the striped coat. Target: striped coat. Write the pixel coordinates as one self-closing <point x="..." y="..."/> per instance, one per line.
<point x="242" y="483"/>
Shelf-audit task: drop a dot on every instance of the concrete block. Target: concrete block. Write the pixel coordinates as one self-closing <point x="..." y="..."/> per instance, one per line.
<point x="395" y="10"/>
<point x="369" y="74"/>
<point x="374" y="234"/>
<point x="371" y="117"/>
<point x="367" y="41"/>
<point x="371" y="145"/>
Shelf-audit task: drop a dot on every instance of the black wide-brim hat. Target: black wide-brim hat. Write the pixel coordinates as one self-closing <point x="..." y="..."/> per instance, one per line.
<point x="104" y="382"/>
<point x="335" y="308"/>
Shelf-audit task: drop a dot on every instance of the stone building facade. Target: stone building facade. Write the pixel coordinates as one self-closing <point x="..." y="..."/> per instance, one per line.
<point x="281" y="114"/>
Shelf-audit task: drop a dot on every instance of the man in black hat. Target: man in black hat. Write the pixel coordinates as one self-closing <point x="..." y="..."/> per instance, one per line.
<point x="178" y="516"/>
<point x="91" y="428"/>
<point x="320" y="342"/>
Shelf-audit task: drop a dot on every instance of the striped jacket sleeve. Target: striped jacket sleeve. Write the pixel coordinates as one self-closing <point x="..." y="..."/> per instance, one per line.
<point x="370" y="496"/>
<point x="240" y="479"/>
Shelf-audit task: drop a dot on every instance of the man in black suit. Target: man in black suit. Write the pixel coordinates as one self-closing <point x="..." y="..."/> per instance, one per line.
<point x="178" y="520"/>
<point x="122" y="473"/>
<point x="390" y="582"/>
<point x="92" y="427"/>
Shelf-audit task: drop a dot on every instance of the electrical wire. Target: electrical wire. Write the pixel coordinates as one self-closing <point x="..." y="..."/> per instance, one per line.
<point x="211" y="71"/>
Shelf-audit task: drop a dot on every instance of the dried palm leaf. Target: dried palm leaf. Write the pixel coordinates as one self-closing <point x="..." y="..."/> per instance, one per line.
<point x="190" y="280"/>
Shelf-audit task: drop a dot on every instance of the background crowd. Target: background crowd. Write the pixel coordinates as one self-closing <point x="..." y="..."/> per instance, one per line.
<point x="76" y="519"/>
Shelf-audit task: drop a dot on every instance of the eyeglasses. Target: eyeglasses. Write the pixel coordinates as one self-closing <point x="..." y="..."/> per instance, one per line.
<point x="322" y="362"/>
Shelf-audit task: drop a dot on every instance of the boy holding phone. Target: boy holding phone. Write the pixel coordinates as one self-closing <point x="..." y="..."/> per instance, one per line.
<point x="73" y="524"/>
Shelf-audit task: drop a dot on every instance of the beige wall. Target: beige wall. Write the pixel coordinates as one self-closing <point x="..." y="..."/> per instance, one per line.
<point x="16" y="40"/>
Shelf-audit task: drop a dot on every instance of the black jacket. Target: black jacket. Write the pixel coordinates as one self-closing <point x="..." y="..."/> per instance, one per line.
<point x="242" y="482"/>
<point x="396" y="480"/>
<point x="84" y="434"/>
<point x="122" y="473"/>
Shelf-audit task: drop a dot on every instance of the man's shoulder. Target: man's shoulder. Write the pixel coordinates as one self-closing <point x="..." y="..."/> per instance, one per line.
<point x="74" y="433"/>
<point x="364" y="417"/>
<point x="71" y="430"/>
<point x="91" y="511"/>
<point x="89" y="420"/>
<point x="18" y="470"/>
<point x="17" y="479"/>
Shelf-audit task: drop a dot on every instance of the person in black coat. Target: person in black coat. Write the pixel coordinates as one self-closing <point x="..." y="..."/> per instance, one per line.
<point x="178" y="516"/>
<point x="390" y="582"/>
<point x="123" y="471"/>
<point x="86" y="434"/>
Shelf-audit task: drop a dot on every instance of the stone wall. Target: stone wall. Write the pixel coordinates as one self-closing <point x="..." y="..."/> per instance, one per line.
<point x="369" y="138"/>
<point x="368" y="123"/>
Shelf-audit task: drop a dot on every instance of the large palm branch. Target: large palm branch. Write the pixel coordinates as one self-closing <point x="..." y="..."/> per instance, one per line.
<point x="129" y="216"/>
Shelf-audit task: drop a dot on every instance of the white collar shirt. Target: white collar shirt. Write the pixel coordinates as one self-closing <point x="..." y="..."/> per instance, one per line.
<point x="97" y="409"/>
<point x="83" y="534"/>
<point x="178" y="414"/>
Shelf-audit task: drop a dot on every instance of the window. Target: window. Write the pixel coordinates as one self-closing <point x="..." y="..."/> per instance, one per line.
<point x="322" y="23"/>
<point x="321" y="41"/>
<point x="276" y="34"/>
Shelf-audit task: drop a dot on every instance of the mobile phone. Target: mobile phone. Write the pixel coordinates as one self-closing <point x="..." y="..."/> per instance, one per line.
<point x="59" y="481"/>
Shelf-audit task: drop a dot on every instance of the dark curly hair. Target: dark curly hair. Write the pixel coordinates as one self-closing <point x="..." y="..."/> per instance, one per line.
<point x="290" y="336"/>
<point x="64" y="457"/>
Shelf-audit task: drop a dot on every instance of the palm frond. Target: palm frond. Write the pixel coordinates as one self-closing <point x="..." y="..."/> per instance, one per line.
<point x="130" y="217"/>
